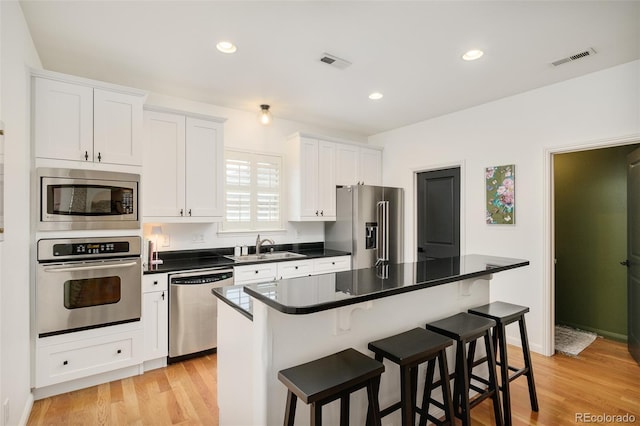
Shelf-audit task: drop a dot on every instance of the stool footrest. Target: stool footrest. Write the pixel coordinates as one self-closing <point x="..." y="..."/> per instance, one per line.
<point x="390" y="409"/>
<point x="519" y="373"/>
<point x="479" y="398"/>
<point x="481" y="380"/>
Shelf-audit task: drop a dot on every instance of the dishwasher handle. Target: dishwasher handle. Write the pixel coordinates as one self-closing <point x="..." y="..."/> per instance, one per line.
<point x="202" y="278"/>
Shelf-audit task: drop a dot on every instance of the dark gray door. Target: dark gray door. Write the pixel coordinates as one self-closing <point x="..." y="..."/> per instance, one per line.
<point x="633" y="253"/>
<point x="438" y="214"/>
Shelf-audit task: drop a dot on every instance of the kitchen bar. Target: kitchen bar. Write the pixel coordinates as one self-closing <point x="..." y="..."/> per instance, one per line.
<point x="297" y="320"/>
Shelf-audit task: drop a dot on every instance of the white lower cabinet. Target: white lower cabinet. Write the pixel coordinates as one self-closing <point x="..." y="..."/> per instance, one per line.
<point x="325" y="265"/>
<point x="61" y="362"/>
<point x="155" y="316"/>
<point x="263" y="272"/>
<point x="260" y="272"/>
<point x="294" y="269"/>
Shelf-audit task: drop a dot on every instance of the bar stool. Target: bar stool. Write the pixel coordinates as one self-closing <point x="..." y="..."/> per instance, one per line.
<point x="332" y="377"/>
<point x="409" y="350"/>
<point x="504" y="314"/>
<point x="466" y="328"/>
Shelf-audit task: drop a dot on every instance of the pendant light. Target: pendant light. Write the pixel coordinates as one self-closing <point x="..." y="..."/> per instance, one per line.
<point x="265" y="115"/>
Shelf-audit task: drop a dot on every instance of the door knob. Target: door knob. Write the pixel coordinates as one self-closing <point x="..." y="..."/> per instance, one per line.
<point x="625" y="263"/>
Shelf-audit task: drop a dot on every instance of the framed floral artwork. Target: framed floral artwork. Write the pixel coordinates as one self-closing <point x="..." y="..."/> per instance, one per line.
<point x="500" y="193"/>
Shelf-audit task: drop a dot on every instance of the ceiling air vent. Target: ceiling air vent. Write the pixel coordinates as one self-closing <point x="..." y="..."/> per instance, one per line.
<point x="590" y="51"/>
<point x="334" y="61"/>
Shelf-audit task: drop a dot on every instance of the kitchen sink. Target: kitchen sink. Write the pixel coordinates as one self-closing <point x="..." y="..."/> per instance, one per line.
<point x="274" y="255"/>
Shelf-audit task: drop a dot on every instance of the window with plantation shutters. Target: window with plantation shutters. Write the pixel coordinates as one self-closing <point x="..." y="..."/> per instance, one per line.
<point x="252" y="191"/>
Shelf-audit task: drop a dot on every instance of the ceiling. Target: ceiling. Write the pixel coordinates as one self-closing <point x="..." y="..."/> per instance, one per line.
<point x="410" y="51"/>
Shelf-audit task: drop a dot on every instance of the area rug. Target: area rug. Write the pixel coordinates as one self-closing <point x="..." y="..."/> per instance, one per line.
<point x="570" y="341"/>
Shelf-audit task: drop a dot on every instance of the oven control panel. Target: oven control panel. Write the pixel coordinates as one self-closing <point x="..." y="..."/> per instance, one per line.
<point x="81" y="249"/>
<point x="56" y="250"/>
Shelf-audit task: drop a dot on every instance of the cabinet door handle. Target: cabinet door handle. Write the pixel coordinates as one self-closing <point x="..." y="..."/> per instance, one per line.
<point x="296" y="267"/>
<point x="99" y="156"/>
<point x="86" y="156"/>
<point x="163" y="295"/>
<point x="189" y="212"/>
<point x="321" y="212"/>
<point x="155" y="282"/>
<point x="119" y="351"/>
<point x="316" y="212"/>
<point x="65" y="362"/>
<point x="181" y="212"/>
<point x="333" y="263"/>
<point x="257" y="271"/>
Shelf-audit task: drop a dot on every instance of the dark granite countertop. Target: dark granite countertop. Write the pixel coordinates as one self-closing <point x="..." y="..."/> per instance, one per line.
<point x="185" y="260"/>
<point x="317" y="293"/>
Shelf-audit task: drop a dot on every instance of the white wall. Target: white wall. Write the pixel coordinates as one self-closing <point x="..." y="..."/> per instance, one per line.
<point x="516" y="130"/>
<point x="242" y="131"/>
<point x="18" y="53"/>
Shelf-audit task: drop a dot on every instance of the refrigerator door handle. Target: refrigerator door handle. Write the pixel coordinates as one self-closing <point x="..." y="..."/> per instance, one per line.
<point x="382" y="209"/>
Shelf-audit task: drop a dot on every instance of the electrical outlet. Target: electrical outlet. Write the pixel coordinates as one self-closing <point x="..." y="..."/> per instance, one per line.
<point x="166" y="240"/>
<point x="5" y="411"/>
<point x="198" y="238"/>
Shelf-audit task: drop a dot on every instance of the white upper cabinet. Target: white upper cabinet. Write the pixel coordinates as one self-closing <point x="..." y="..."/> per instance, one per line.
<point x="117" y="128"/>
<point x="75" y="119"/>
<point x="163" y="165"/>
<point x="370" y="166"/>
<point x="204" y="168"/>
<point x="63" y="121"/>
<point x="358" y="165"/>
<point x="182" y="167"/>
<point x="347" y="164"/>
<point x="312" y="182"/>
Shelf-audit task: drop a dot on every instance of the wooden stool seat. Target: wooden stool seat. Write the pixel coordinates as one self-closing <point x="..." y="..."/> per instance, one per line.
<point x="465" y="329"/>
<point x="409" y="350"/>
<point x="329" y="378"/>
<point x="504" y="314"/>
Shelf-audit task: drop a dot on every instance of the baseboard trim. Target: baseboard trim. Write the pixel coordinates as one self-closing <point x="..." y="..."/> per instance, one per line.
<point x="26" y="411"/>
<point x="533" y="347"/>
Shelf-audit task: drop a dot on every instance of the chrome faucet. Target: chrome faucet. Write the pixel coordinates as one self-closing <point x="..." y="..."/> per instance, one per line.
<point x="259" y="243"/>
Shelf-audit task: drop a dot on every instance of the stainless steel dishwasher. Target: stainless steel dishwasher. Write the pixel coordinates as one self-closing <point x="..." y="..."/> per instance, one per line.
<point x="193" y="311"/>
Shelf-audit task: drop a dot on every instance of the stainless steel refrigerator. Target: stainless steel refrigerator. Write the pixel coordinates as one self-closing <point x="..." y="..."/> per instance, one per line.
<point x="369" y="224"/>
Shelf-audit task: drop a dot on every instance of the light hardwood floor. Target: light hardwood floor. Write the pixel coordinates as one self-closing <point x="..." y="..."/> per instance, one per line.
<point x="604" y="379"/>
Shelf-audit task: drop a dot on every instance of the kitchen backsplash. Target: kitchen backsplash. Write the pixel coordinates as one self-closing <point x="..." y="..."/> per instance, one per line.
<point x="194" y="236"/>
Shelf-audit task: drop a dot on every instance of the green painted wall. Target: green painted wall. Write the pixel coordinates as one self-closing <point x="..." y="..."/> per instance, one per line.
<point x="591" y="240"/>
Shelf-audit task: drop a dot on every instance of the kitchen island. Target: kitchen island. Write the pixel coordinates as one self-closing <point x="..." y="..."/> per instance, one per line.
<point x="266" y="327"/>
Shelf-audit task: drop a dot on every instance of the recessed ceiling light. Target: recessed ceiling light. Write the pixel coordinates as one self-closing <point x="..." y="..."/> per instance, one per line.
<point x="472" y="55"/>
<point x="375" y="96"/>
<point x="226" y="47"/>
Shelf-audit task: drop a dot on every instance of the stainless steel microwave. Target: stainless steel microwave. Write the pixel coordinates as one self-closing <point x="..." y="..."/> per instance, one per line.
<point x="87" y="199"/>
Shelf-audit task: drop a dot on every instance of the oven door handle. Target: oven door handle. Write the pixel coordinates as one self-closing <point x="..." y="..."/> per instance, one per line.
<point x="89" y="268"/>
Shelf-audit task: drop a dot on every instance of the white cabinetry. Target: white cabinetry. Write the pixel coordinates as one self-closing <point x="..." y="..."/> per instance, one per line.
<point x="80" y="120"/>
<point x="295" y="268"/>
<point x="324" y="265"/>
<point x="155" y="316"/>
<point x="311" y="167"/>
<point x="370" y="166"/>
<point x="260" y="272"/>
<point x="357" y="165"/>
<point x="183" y="167"/>
<point x="69" y="357"/>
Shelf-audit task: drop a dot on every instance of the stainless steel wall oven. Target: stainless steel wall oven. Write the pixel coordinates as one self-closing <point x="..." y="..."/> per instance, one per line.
<point x="87" y="199"/>
<point x="84" y="283"/>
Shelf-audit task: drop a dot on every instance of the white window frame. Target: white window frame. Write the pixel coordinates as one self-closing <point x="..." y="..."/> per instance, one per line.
<point x="254" y="224"/>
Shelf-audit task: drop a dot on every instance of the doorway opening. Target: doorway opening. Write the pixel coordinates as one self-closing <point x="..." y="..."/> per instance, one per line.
<point x="438" y="213"/>
<point x="588" y="239"/>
